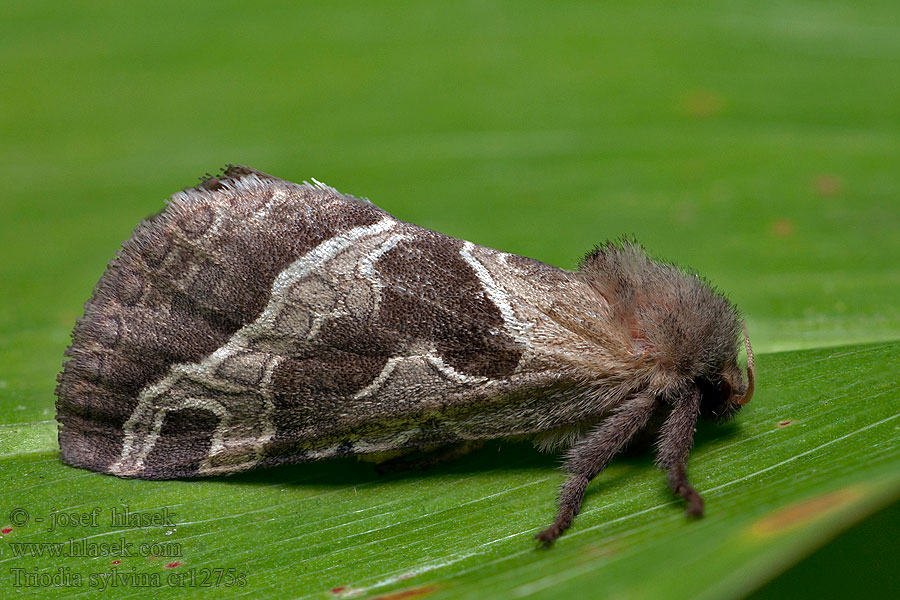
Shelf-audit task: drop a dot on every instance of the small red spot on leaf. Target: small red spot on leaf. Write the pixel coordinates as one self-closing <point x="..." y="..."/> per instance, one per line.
<point x="115" y="562"/>
<point x="782" y="228"/>
<point x="604" y="551"/>
<point x="785" y="423"/>
<point x="338" y="589"/>
<point x="827" y="185"/>
<point x="408" y="594"/>
<point x="172" y="565"/>
<point x="6" y="530"/>
<point x="701" y="104"/>
<point x="805" y="512"/>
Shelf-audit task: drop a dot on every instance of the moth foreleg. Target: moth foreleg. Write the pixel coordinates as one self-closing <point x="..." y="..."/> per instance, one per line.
<point x="675" y="440"/>
<point x="592" y="454"/>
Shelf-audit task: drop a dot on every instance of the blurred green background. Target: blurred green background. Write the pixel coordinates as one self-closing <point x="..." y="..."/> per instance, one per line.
<point x="757" y="142"/>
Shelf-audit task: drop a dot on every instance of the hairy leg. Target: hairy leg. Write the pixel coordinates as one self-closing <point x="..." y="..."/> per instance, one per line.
<point x="592" y="454"/>
<point x="675" y="440"/>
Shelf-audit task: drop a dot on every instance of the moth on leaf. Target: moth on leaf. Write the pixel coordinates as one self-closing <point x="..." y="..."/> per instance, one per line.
<point x="255" y="322"/>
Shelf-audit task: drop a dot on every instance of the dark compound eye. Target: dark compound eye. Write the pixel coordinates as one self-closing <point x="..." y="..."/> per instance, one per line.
<point x="724" y="389"/>
<point x="714" y="397"/>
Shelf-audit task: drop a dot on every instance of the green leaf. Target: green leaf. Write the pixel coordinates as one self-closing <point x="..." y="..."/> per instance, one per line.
<point x="814" y="451"/>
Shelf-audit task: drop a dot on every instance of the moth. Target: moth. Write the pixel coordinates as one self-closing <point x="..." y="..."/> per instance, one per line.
<point x="255" y="322"/>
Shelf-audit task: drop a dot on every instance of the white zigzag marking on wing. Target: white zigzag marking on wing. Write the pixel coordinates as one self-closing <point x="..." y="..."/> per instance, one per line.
<point x="367" y="264"/>
<point x="494" y="292"/>
<point x="131" y="460"/>
<point x="382" y="377"/>
<point x="498" y="295"/>
<point x="432" y="359"/>
<point x="452" y="373"/>
<point x="367" y="269"/>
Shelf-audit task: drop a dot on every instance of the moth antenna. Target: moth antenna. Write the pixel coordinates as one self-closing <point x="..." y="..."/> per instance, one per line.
<point x="750" y="373"/>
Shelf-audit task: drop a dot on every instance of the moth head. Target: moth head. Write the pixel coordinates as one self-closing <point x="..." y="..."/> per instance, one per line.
<point x="723" y="393"/>
<point x="674" y="321"/>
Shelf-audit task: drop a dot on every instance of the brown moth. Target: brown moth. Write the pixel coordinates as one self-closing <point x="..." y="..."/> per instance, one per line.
<point x="255" y="322"/>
